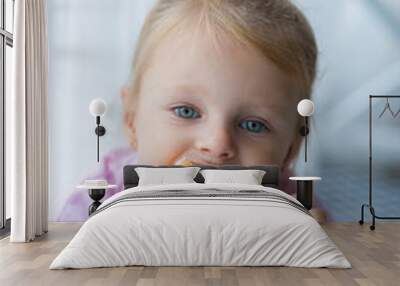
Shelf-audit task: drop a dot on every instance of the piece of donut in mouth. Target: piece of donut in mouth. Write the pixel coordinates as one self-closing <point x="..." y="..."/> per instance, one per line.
<point x="186" y="162"/>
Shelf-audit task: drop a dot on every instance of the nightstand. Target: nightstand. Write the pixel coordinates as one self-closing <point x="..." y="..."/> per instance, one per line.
<point x="96" y="193"/>
<point x="305" y="190"/>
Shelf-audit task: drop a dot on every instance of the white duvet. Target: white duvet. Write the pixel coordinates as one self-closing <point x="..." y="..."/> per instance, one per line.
<point x="200" y="231"/>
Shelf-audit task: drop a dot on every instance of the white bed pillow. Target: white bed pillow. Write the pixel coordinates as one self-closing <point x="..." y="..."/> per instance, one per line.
<point x="248" y="177"/>
<point x="162" y="176"/>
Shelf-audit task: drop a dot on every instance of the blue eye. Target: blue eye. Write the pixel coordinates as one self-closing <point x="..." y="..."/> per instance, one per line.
<point x="186" y="112"/>
<point x="253" y="126"/>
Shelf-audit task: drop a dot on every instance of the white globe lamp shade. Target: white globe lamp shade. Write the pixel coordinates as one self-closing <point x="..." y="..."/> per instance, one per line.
<point x="305" y="107"/>
<point x="98" y="107"/>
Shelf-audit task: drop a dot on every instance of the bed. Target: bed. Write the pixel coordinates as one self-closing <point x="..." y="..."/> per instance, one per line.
<point x="201" y="224"/>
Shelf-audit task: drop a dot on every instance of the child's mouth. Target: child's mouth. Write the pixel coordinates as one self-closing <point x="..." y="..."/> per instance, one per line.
<point x="184" y="161"/>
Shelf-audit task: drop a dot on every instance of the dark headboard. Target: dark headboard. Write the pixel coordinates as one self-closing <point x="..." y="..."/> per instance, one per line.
<point x="271" y="177"/>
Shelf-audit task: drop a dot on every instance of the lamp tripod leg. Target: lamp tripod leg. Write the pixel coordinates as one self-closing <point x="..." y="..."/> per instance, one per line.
<point x="361" y="221"/>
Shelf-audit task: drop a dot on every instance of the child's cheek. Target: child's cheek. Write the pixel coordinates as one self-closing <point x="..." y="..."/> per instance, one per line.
<point x="269" y="152"/>
<point x="163" y="147"/>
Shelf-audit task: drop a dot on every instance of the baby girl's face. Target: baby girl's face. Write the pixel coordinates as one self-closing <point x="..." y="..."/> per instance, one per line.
<point x="213" y="104"/>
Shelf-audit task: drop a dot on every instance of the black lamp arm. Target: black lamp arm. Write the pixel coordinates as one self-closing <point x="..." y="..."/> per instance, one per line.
<point x="305" y="143"/>
<point x="304" y="130"/>
<point x="100" y="131"/>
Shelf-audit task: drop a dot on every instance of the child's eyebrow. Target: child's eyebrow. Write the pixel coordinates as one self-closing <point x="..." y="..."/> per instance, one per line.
<point x="190" y="89"/>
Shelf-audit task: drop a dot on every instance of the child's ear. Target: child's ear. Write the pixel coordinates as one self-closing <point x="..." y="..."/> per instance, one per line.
<point x="128" y="117"/>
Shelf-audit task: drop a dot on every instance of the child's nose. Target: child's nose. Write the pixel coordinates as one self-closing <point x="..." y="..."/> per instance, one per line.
<point x="217" y="144"/>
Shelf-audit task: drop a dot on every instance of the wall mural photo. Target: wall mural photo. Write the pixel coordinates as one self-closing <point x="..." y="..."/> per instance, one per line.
<point x="215" y="83"/>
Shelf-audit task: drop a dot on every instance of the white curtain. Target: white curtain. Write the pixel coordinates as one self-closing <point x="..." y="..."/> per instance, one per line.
<point x="26" y="119"/>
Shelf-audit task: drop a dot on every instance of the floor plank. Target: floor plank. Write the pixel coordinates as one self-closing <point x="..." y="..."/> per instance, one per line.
<point x="375" y="257"/>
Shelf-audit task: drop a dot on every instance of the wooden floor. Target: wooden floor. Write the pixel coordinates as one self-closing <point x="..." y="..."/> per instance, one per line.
<point x="375" y="257"/>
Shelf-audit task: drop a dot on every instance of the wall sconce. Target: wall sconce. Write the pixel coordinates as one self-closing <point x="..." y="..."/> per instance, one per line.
<point x="97" y="108"/>
<point x="305" y="108"/>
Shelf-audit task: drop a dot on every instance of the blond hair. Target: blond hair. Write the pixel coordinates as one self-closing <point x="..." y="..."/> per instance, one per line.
<point x="276" y="28"/>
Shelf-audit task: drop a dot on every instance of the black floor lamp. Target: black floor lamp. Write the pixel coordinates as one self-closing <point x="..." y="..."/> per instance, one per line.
<point x="369" y="205"/>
